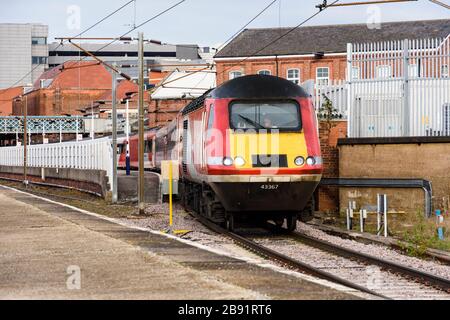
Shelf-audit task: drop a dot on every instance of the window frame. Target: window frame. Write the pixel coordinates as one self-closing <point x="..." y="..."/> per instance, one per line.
<point x="298" y="79"/>
<point x="234" y="71"/>
<point x="319" y="79"/>
<point x="388" y="67"/>
<point x="36" y="39"/>
<point x="267" y="72"/>
<point x="297" y="129"/>
<point x="446" y="74"/>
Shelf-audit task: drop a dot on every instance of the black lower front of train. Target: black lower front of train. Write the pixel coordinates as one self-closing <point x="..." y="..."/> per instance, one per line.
<point x="223" y="202"/>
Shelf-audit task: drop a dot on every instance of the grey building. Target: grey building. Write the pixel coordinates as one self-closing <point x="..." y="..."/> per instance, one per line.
<point x="120" y="52"/>
<point x="23" y="53"/>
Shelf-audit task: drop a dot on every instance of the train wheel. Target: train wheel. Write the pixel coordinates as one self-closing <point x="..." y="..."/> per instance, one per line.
<point x="291" y="222"/>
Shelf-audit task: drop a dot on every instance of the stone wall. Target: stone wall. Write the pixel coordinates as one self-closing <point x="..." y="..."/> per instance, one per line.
<point x="412" y="158"/>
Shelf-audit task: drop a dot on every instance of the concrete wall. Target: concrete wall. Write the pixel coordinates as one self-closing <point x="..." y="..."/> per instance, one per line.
<point x="94" y="181"/>
<point x="428" y="158"/>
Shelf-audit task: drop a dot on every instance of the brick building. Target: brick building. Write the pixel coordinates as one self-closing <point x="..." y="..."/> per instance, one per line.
<point x="6" y="100"/>
<point x="66" y="89"/>
<point x="311" y="53"/>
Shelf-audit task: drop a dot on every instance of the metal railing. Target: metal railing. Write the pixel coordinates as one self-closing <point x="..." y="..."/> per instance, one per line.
<point x="334" y="92"/>
<point x="42" y="124"/>
<point x="399" y="88"/>
<point x="90" y="154"/>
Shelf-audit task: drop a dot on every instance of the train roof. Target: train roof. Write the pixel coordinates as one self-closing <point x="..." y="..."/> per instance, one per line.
<point x="251" y="87"/>
<point x="258" y="87"/>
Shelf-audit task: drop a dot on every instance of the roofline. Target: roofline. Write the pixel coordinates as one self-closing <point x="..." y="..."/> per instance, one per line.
<point x="347" y="24"/>
<point x="280" y="56"/>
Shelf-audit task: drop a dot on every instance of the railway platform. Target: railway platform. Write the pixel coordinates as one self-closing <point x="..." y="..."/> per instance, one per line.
<point x="54" y="251"/>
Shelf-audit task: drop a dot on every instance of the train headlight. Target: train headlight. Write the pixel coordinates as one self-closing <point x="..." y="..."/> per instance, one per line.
<point x="239" y="161"/>
<point x="310" y="161"/>
<point x="299" y="161"/>
<point x="227" y="161"/>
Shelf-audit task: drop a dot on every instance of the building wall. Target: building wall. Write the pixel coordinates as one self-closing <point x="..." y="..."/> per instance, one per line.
<point x="327" y="198"/>
<point x="430" y="161"/>
<point x="16" y="52"/>
<point x="279" y="66"/>
<point x="161" y="112"/>
<point x="54" y="102"/>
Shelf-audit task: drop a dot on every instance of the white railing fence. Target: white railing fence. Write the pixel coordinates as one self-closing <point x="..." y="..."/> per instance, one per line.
<point x="336" y="93"/>
<point x="89" y="154"/>
<point x="399" y="88"/>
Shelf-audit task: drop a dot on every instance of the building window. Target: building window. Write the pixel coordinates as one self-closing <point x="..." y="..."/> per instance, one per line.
<point x="322" y="75"/>
<point x="384" y="71"/>
<point x="264" y="72"/>
<point x="293" y="75"/>
<point x="355" y="73"/>
<point x="235" y="74"/>
<point x="413" y="71"/>
<point x="39" y="60"/>
<point x="444" y="71"/>
<point x="38" y="41"/>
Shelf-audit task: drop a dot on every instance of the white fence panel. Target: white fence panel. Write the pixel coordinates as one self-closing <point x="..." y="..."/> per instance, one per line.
<point x="399" y="88"/>
<point x="90" y="154"/>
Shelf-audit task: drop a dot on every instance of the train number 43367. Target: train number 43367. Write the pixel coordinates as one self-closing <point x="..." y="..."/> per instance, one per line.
<point x="269" y="186"/>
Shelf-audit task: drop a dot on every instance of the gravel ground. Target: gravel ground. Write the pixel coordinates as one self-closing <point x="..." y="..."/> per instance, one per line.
<point x="387" y="283"/>
<point x="383" y="282"/>
<point x="380" y="251"/>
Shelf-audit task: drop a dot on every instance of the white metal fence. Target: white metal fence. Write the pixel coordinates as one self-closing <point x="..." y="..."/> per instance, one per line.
<point x="399" y="88"/>
<point x="89" y="154"/>
<point x="336" y="92"/>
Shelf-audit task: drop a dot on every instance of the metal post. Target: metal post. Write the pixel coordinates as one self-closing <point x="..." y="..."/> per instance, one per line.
<point x="141" y="125"/>
<point x="92" y="120"/>
<point x="406" y="111"/>
<point x="349" y="94"/>
<point x="76" y="128"/>
<point x="385" y="215"/>
<point x="361" y="220"/>
<point x="127" y="130"/>
<point x="114" y="135"/>
<point x="25" y="138"/>
<point x="378" y="214"/>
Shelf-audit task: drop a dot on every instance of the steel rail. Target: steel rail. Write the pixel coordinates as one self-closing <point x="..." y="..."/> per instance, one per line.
<point x="422" y="276"/>
<point x="274" y="255"/>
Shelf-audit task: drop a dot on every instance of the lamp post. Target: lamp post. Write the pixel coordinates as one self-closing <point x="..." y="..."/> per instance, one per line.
<point x="114" y="135"/>
<point x="25" y="138"/>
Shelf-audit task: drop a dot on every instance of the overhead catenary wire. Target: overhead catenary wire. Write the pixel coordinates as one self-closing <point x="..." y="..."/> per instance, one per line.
<point x="279" y="38"/>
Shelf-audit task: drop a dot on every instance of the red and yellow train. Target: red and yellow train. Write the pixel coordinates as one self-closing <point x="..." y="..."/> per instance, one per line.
<point x="246" y="149"/>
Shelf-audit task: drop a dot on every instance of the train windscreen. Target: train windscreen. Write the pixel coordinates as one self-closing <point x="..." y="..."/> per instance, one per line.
<point x="265" y="115"/>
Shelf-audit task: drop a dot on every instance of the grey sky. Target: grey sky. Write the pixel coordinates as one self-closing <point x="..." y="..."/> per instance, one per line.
<point x="206" y="22"/>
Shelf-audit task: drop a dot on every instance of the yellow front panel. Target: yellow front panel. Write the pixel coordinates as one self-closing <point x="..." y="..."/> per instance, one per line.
<point x="245" y="145"/>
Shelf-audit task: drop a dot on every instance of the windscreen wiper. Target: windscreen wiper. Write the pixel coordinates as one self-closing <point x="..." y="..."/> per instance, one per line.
<point x="254" y="123"/>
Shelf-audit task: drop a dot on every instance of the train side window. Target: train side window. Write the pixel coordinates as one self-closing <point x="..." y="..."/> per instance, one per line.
<point x="211" y="116"/>
<point x="210" y="122"/>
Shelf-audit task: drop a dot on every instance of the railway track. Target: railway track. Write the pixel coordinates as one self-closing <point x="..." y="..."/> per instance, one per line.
<point x="372" y="275"/>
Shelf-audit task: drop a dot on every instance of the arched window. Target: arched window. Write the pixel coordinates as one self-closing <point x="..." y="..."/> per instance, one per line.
<point x="293" y="75"/>
<point x="264" y="72"/>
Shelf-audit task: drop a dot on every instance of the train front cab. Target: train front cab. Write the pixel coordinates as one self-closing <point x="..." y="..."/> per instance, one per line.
<point x="269" y="163"/>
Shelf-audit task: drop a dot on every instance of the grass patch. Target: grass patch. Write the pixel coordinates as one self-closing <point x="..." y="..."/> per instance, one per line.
<point x="423" y="235"/>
